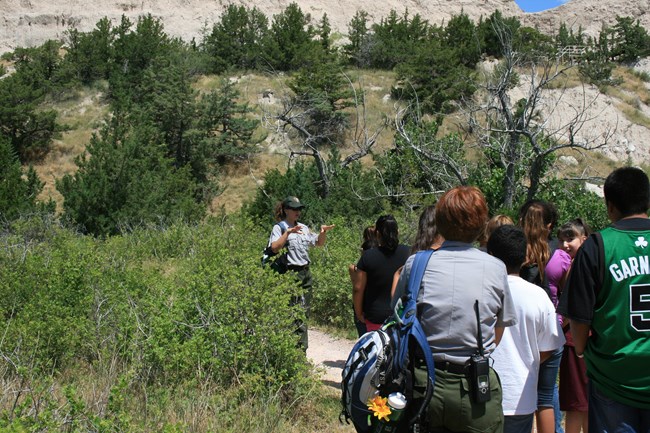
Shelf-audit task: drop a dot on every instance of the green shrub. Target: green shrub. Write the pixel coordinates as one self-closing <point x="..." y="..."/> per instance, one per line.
<point x="332" y="296"/>
<point x="204" y="307"/>
<point x="352" y="194"/>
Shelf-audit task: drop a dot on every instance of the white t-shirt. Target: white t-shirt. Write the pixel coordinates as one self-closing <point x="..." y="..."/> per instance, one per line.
<point x="516" y="358"/>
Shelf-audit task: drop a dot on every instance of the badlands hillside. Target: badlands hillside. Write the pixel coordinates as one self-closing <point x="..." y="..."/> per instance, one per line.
<point x="31" y="22"/>
<point x="622" y="114"/>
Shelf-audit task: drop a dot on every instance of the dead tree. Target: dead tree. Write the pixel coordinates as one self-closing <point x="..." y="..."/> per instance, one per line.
<point x="524" y="112"/>
<point x="311" y="134"/>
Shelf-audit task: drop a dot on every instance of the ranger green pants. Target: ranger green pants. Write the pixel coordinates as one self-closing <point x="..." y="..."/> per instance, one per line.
<point x="304" y="300"/>
<point x="452" y="410"/>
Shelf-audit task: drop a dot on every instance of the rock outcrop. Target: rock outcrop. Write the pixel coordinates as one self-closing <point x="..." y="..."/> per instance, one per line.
<point x="591" y="15"/>
<point x="32" y="22"/>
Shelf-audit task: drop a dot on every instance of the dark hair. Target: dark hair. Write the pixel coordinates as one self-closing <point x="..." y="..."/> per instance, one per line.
<point x="508" y="243"/>
<point x="461" y="213"/>
<point x="427" y="230"/>
<point x="278" y="212"/>
<point x="369" y="238"/>
<point x="574" y="228"/>
<point x="627" y="188"/>
<point x="386" y="227"/>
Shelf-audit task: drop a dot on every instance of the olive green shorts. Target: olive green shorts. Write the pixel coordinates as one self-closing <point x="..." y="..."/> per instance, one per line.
<point x="452" y="410"/>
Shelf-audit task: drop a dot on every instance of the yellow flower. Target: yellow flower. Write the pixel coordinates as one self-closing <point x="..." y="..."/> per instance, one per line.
<point x="379" y="407"/>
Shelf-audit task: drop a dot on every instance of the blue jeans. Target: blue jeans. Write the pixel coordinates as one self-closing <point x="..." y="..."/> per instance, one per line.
<point x="518" y="423"/>
<point x="547" y="389"/>
<point x="610" y="416"/>
<point x="556" y="410"/>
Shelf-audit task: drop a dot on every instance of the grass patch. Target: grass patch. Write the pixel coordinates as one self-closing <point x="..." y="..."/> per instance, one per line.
<point x="641" y="75"/>
<point x="635" y="115"/>
<point x="633" y="95"/>
<point x="569" y="78"/>
<point x="590" y="165"/>
<point x="108" y="398"/>
<point x="636" y="88"/>
<point x="83" y="114"/>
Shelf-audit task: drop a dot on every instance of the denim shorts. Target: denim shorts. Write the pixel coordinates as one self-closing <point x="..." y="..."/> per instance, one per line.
<point x="546" y="384"/>
<point x="518" y="423"/>
<point x="610" y="416"/>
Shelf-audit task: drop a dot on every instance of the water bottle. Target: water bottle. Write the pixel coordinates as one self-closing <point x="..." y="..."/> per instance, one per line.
<point x="397" y="404"/>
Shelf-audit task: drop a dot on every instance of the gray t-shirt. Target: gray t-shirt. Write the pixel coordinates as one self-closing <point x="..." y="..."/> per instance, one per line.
<point x="297" y="244"/>
<point x="456" y="276"/>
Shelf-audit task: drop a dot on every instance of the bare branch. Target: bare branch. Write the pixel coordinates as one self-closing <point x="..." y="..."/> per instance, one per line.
<point x="298" y="118"/>
<point x="525" y="112"/>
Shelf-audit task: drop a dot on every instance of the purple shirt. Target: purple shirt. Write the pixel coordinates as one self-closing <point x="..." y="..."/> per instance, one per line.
<point x="556" y="270"/>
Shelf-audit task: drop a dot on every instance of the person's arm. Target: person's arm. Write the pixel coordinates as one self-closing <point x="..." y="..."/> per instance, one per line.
<point x="580" y="333"/>
<point x="322" y="236"/>
<point x="498" y="333"/>
<point x="396" y="276"/>
<point x="354" y="273"/>
<point x="280" y="242"/>
<point x="402" y="281"/>
<point x="357" y="294"/>
<point x="543" y="356"/>
<point x="579" y="297"/>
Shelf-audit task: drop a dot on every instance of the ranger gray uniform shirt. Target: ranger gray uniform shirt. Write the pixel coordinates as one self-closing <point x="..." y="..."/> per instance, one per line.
<point x="456" y="276"/>
<point x="297" y="244"/>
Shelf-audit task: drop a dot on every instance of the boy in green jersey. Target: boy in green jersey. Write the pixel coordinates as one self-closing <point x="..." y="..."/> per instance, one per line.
<point x="607" y="299"/>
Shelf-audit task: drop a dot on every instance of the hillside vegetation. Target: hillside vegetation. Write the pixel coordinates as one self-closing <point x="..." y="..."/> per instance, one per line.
<point x="163" y="329"/>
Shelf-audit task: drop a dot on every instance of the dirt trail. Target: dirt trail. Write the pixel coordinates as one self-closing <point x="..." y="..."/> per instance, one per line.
<point x="328" y="354"/>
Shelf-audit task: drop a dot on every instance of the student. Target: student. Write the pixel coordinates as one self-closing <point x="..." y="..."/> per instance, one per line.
<point x="369" y="241"/>
<point x="537" y="218"/>
<point x="524" y="346"/>
<point x="490" y="226"/>
<point x="573" y="370"/>
<point x="607" y="293"/>
<point x="375" y="270"/>
<point x="427" y="236"/>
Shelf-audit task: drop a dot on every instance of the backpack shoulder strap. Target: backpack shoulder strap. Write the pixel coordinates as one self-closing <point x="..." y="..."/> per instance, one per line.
<point x="417" y="272"/>
<point x="411" y="326"/>
<point x="283" y="228"/>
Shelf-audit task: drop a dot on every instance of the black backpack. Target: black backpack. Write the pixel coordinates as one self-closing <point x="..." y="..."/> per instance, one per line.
<point x="383" y="362"/>
<point x="279" y="264"/>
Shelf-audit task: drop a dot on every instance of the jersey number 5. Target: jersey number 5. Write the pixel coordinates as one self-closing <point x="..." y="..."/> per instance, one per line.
<point x="640" y="305"/>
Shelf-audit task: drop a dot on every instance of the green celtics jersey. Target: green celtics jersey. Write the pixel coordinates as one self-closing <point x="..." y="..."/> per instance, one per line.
<point x="618" y="352"/>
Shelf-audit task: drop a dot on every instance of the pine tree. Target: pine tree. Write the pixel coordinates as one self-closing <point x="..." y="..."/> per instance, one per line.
<point x="125" y="179"/>
<point x="18" y="194"/>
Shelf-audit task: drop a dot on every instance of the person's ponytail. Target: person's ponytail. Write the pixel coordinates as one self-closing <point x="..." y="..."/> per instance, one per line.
<point x="387" y="232"/>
